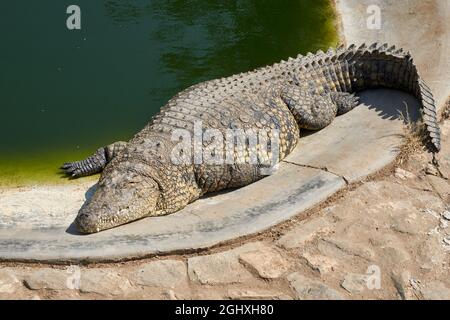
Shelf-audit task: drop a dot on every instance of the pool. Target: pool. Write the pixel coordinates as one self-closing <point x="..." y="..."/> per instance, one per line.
<point x="67" y="92"/>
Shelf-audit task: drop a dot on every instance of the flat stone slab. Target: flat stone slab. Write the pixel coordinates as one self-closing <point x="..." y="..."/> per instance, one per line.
<point x="35" y="223"/>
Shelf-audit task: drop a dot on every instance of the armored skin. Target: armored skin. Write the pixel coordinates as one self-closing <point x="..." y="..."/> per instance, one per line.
<point x="140" y="178"/>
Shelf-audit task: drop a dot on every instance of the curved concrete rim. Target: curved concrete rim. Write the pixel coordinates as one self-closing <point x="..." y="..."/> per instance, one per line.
<point x="35" y="222"/>
<point x="355" y="145"/>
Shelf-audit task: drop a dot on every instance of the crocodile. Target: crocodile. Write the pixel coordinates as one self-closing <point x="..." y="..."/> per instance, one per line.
<point x="140" y="178"/>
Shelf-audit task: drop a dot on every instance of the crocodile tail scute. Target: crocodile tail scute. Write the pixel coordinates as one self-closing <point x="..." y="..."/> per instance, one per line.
<point x="429" y="115"/>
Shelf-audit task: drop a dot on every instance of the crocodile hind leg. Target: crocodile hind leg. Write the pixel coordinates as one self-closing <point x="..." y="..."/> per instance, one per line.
<point x="311" y="110"/>
<point x="94" y="163"/>
<point x="314" y="111"/>
<point x="344" y="101"/>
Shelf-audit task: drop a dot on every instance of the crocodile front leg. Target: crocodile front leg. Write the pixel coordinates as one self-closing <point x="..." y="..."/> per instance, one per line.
<point x="95" y="163"/>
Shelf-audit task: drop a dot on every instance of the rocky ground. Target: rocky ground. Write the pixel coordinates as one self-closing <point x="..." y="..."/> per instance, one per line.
<point x="385" y="238"/>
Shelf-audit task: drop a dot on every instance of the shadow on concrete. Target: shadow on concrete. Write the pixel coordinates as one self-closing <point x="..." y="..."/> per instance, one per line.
<point x="390" y="106"/>
<point x="387" y="104"/>
<point x="363" y="140"/>
<point x="72" y="230"/>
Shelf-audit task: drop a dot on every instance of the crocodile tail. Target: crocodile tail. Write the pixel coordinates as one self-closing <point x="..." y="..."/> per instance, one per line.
<point x="354" y="69"/>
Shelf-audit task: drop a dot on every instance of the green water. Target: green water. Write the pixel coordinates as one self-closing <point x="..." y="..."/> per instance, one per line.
<point x="66" y="92"/>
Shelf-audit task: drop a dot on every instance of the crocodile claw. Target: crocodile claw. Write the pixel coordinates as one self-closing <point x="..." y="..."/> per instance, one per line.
<point x="73" y="169"/>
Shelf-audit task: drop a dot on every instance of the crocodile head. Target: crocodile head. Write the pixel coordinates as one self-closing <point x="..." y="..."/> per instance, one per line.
<point x="125" y="193"/>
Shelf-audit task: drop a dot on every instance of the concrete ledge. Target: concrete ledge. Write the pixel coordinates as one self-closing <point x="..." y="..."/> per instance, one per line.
<point x="202" y="224"/>
<point x="34" y="222"/>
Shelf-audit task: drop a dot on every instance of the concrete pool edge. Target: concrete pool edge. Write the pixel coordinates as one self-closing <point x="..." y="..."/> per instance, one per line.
<point x="300" y="184"/>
